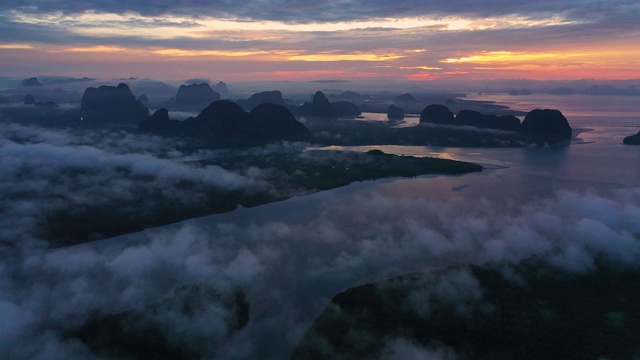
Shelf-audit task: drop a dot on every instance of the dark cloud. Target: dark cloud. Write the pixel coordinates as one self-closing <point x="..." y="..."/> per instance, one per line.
<point x="55" y="34"/>
<point x="588" y="23"/>
<point x="11" y="31"/>
<point x="344" y="10"/>
<point x="610" y="25"/>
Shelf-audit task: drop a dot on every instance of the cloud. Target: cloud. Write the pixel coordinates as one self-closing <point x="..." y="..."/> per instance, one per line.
<point x="398" y="349"/>
<point x="321" y="11"/>
<point x="277" y="23"/>
<point x="459" y="288"/>
<point x="291" y="266"/>
<point x="50" y="171"/>
<point x="275" y="38"/>
<point x="289" y="257"/>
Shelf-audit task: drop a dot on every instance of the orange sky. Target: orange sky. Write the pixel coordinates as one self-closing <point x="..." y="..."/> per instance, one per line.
<point x="420" y="48"/>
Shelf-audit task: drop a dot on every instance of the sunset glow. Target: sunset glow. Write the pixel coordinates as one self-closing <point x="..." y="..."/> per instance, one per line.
<point x="189" y="53"/>
<point x="422" y="43"/>
<point x="98" y="48"/>
<point x="343" y="57"/>
<point x="326" y="179"/>
<point x="15" y="46"/>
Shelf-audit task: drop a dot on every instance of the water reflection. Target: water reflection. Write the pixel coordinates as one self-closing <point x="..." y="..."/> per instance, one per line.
<point x="548" y="160"/>
<point x="596" y="156"/>
<point x="408" y="121"/>
<point x="580" y="110"/>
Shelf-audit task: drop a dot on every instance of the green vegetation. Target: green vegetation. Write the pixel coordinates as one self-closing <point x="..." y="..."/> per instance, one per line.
<point x="530" y="310"/>
<point x="282" y="175"/>
<point x="323" y="169"/>
<point x="158" y="330"/>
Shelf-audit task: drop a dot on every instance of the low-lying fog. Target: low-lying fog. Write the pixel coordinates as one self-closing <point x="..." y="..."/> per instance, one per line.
<point x="568" y="205"/>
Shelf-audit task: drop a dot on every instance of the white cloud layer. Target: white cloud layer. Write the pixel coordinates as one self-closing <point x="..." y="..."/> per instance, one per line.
<point x="291" y="268"/>
<point x="45" y="171"/>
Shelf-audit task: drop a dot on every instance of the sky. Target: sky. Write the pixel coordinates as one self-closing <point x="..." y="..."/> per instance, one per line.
<point x="288" y="40"/>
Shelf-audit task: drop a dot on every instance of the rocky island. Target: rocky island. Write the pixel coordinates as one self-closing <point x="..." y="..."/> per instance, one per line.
<point x="632" y="139"/>
<point x="194" y="96"/>
<point x="438" y="126"/>
<point x="112" y="104"/>
<point x="273" y="97"/>
<point x="320" y="108"/>
<point x="539" y="125"/>
<point x="224" y="123"/>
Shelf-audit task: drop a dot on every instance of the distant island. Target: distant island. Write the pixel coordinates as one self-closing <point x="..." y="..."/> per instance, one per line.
<point x="632" y="139"/>
<point x="225" y="124"/>
<point x="438" y="126"/>
<point x="267" y="117"/>
<point x="195" y="96"/>
<point x="112" y="104"/>
<point x="327" y="123"/>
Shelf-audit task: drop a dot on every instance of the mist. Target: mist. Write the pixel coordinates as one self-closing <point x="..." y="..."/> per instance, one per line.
<point x="188" y="284"/>
<point x="46" y="171"/>
<point x="289" y="269"/>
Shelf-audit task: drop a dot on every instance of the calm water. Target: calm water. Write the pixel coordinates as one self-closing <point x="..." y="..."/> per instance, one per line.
<point x="582" y="110"/>
<point x="595" y="157"/>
